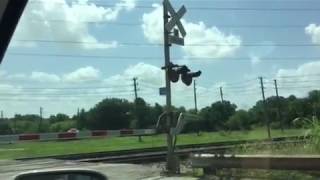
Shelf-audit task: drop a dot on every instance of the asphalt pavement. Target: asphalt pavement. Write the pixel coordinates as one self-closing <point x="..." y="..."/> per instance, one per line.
<point x="9" y="169"/>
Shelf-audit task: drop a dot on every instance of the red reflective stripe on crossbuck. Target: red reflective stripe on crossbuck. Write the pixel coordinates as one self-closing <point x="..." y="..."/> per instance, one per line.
<point x="27" y="137"/>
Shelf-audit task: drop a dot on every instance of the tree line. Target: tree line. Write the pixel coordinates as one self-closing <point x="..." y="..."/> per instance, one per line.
<point x="114" y="114"/>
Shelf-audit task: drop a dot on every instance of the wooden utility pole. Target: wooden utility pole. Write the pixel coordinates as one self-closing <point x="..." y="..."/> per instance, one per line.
<point x="264" y="107"/>
<point x="78" y="112"/>
<point x="278" y="105"/>
<point x="1" y="114"/>
<point x="221" y="94"/>
<point x="135" y="100"/>
<point x="135" y="88"/>
<point x="195" y="96"/>
<point x="40" y="121"/>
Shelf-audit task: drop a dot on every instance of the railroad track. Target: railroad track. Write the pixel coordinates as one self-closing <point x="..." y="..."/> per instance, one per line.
<point x="157" y="154"/>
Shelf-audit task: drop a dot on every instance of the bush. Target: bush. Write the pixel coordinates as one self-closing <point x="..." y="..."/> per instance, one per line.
<point x="19" y="127"/>
<point x="239" y="121"/>
<point x="62" y="126"/>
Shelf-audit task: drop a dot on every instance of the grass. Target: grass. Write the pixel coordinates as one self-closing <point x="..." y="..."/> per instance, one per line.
<point x="40" y="149"/>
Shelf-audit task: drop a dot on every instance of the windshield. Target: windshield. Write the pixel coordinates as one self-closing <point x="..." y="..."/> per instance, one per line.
<point x="90" y="79"/>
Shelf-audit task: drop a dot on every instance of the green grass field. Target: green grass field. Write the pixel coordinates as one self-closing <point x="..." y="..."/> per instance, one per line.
<point x="39" y="149"/>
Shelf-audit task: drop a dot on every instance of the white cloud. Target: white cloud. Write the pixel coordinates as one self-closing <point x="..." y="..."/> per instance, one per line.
<point x="19" y="76"/>
<point x="150" y="79"/>
<point x="255" y="60"/>
<point x="314" y="32"/>
<point x="44" y="77"/>
<point x="152" y="25"/>
<point x="84" y="74"/>
<point x="303" y="70"/>
<point x="201" y="41"/>
<point x="209" y="42"/>
<point x="3" y="73"/>
<point x="300" y="80"/>
<point x="36" y="22"/>
<point x="257" y="54"/>
<point x="146" y="73"/>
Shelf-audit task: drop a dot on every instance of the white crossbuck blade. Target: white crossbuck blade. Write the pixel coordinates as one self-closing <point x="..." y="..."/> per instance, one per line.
<point x="175" y="18"/>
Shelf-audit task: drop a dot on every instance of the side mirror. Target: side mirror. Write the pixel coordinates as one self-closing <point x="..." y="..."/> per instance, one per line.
<point x="62" y="175"/>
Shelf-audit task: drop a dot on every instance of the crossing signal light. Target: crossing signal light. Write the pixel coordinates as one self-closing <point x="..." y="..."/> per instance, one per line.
<point x="175" y="71"/>
<point x="173" y="75"/>
<point x="187" y="77"/>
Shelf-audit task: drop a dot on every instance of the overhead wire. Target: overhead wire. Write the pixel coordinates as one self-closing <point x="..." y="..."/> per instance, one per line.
<point x="67" y="88"/>
<point x="62" y="55"/>
<point x="266" y="26"/>
<point x="202" y="8"/>
<point x="160" y="44"/>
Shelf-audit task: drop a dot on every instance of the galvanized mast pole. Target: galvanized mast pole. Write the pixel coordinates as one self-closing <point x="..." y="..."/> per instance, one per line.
<point x="170" y="155"/>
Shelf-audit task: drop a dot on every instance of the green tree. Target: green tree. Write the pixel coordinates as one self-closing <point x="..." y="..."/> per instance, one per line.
<point x="143" y="114"/>
<point x="5" y="127"/>
<point x="62" y="126"/>
<point x="110" y="114"/>
<point x="216" y="115"/>
<point x="82" y="121"/>
<point x="241" y="120"/>
<point x="58" y="118"/>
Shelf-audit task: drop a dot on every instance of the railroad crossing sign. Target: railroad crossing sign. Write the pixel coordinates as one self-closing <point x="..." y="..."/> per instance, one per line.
<point x="175" y="21"/>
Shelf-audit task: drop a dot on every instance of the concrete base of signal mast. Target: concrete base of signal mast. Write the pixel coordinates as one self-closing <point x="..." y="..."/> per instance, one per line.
<point x="173" y="164"/>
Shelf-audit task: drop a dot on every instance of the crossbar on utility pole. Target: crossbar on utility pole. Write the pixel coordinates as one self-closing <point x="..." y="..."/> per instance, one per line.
<point x="265" y="108"/>
<point x="278" y="105"/>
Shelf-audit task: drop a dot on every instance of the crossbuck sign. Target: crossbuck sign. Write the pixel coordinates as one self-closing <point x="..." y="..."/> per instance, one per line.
<point x="175" y="21"/>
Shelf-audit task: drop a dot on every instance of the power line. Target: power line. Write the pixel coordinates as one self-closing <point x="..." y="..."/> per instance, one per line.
<point x="204" y="8"/>
<point x="68" y="88"/>
<point x="157" y="58"/>
<point x="233" y="1"/>
<point x="299" y="81"/>
<point x="263" y="26"/>
<point x="160" y="44"/>
<point x="298" y="87"/>
<point x="208" y="1"/>
<point x="65" y="94"/>
<point x="294" y="76"/>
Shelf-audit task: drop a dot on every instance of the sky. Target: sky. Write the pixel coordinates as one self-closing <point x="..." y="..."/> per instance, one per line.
<point x="70" y="54"/>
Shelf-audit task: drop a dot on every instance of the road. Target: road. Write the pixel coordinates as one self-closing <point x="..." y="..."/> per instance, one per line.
<point x="8" y="169"/>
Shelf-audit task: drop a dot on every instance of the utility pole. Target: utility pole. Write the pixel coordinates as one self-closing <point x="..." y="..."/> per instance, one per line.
<point x="15" y="123"/>
<point x="78" y="112"/>
<point x="1" y="114"/>
<point x="264" y="107"/>
<point x="221" y="94"/>
<point x="278" y="105"/>
<point x="40" y="122"/>
<point x="195" y="96"/>
<point x="135" y="88"/>
<point x="135" y="100"/>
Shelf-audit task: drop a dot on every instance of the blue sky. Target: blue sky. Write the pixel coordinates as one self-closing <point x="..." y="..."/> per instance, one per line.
<point x="232" y="42"/>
